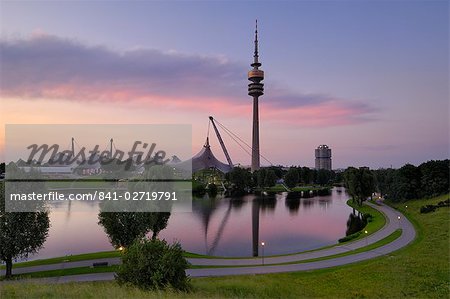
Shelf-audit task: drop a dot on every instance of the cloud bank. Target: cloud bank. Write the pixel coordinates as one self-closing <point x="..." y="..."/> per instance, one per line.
<point x="51" y="67"/>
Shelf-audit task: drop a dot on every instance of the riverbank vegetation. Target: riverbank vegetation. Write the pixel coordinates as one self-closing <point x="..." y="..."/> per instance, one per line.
<point x="371" y="221"/>
<point x="408" y="182"/>
<point x="273" y="179"/>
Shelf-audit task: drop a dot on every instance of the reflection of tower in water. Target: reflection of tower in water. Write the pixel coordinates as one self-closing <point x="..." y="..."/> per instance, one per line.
<point x="265" y="204"/>
<point x="207" y="207"/>
<point x="255" y="226"/>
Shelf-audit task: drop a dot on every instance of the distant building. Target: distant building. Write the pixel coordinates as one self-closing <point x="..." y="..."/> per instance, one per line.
<point x="323" y="157"/>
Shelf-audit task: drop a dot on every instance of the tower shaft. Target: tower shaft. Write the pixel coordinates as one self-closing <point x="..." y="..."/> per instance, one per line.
<point x="255" y="135"/>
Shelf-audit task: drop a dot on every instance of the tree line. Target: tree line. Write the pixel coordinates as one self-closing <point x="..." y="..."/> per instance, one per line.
<point x="243" y="179"/>
<point x="429" y="179"/>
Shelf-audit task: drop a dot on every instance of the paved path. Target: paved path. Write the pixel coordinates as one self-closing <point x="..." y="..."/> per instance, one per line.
<point x="254" y="264"/>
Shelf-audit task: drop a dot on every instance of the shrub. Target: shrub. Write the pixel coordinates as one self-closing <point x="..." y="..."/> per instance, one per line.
<point x="432" y="208"/>
<point x="427" y="209"/>
<point x="212" y="190"/>
<point x="198" y="188"/>
<point x="355" y="223"/>
<point x="368" y="217"/>
<point x="323" y="192"/>
<point x="444" y="203"/>
<point x="293" y="195"/>
<point x="349" y="237"/>
<point x="154" y="264"/>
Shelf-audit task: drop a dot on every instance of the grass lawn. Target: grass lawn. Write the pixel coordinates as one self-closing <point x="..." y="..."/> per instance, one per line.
<point x="69" y="258"/>
<point x="281" y="188"/>
<point x="84" y="257"/>
<point x="420" y="270"/>
<point x="64" y="272"/>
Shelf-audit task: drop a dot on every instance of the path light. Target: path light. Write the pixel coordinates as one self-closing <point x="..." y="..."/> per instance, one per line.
<point x="120" y="248"/>
<point x="367" y="240"/>
<point x="262" y="247"/>
<point x="398" y="221"/>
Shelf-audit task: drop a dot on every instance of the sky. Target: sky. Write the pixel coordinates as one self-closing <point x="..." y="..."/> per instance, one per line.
<point x="368" y="78"/>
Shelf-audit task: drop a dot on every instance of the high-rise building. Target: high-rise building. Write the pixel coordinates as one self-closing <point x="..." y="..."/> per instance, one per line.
<point x="255" y="90"/>
<point x="323" y="157"/>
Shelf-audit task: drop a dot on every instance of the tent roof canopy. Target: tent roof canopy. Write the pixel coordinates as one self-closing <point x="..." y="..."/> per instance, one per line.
<point x="205" y="159"/>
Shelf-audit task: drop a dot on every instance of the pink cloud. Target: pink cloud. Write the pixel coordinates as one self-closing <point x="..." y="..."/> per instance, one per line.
<point x="54" y="68"/>
<point x="320" y="115"/>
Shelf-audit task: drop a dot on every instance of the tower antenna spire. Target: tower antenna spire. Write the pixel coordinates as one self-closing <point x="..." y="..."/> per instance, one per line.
<point x="256" y="63"/>
<point x="256" y="40"/>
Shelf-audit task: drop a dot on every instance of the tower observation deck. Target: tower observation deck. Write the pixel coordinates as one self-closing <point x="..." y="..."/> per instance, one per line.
<point x="255" y="90"/>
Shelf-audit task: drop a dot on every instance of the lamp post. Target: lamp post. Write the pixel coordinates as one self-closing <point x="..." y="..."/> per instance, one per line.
<point x="262" y="248"/>
<point x="367" y="240"/>
<point x="398" y="221"/>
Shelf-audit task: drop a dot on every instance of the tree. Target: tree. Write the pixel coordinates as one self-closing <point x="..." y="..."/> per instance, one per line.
<point x="313" y="176"/>
<point x="291" y="178"/>
<point x="260" y="177"/>
<point x="306" y="175"/>
<point x="126" y="221"/>
<point x="434" y="178"/>
<point x="21" y="233"/>
<point x="384" y="179"/>
<point x="338" y="177"/>
<point x="278" y="170"/>
<point x="123" y="228"/>
<point x="240" y="179"/>
<point x="409" y="182"/>
<point x="159" y="223"/>
<point x="153" y="264"/>
<point x="323" y="176"/>
<point x="359" y="183"/>
<point x="270" y="179"/>
<point x="406" y="183"/>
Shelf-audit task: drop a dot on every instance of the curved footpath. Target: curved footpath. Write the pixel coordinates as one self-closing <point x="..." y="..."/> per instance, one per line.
<point x="253" y="265"/>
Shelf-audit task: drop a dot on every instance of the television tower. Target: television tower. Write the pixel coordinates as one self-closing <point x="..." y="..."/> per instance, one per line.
<point x="255" y="90"/>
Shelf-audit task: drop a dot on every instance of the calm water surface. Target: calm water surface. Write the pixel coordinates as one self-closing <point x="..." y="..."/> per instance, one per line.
<point x="221" y="226"/>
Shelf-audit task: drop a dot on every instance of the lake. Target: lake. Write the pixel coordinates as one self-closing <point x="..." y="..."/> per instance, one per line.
<point x="222" y="226"/>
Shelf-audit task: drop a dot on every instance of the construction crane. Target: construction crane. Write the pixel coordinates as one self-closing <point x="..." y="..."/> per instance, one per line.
<point x="221" y="142"/>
